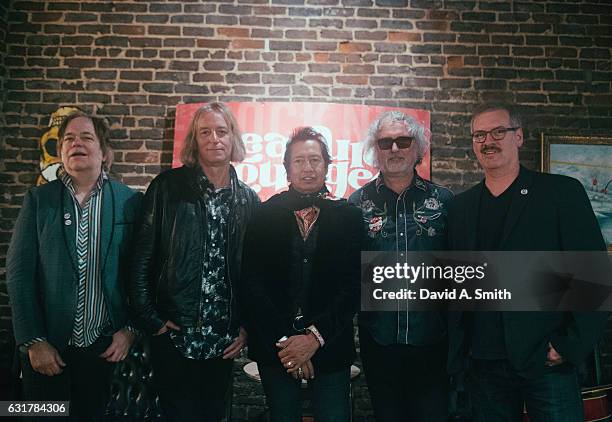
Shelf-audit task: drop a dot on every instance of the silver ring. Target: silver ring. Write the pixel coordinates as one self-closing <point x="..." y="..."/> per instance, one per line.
<point x="289" y="364"/>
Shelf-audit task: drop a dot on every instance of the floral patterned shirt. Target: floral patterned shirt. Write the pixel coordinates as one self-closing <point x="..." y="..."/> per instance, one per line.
<point x="211" y="335"/>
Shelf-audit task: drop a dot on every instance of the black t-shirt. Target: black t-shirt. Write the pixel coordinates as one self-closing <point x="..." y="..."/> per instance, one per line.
<point x="488" y="327"/>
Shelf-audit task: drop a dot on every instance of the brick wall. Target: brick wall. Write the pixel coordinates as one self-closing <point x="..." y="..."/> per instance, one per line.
<point x="5" y="223"/>
<point x="133" y="61"/>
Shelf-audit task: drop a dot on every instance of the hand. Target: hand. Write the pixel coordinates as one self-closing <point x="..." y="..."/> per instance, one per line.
<point x="45" y="359"/>
<point x="306" y="373"/>
<point x="234" y="349"/>
<point x="120" y="347"/>
<point x="553" y="358"/>
<point x="296" y="350"/>
<point x="169" y="325"/>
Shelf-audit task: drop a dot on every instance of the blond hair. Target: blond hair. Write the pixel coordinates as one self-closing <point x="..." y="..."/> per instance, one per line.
<point x="190" y="153"/>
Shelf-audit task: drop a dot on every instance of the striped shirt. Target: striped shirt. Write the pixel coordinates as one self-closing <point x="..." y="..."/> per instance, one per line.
<point x="91" y="318"/>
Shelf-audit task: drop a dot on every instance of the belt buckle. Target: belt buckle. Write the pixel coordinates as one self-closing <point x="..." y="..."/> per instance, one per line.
<point x="297" y="324"/>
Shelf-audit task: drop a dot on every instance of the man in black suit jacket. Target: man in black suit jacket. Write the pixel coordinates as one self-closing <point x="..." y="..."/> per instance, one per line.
<point x="521" y="357"/>
<point x="300" y="287"/>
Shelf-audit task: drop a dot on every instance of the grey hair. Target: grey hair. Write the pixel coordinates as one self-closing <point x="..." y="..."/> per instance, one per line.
<point x="420" y="133"/>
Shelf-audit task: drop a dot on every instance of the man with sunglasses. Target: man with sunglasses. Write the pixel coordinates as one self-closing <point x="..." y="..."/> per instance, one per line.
<point x="520" y="358"/>
<point x="403" y="352"/>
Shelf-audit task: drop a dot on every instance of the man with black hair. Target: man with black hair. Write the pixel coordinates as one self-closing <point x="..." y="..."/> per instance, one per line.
<point x="301" y="287"/>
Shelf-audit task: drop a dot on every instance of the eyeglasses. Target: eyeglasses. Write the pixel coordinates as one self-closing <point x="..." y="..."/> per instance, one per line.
<point x="402" y="142"/>
<point x="497" y="134"/>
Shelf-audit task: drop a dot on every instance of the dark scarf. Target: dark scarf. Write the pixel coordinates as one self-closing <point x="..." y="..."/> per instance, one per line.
<point x="295" y="201"/>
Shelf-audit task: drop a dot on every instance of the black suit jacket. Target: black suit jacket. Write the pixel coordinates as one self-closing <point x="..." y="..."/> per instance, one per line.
<point x="548" y="213"/>
<point x="334" y="289"/>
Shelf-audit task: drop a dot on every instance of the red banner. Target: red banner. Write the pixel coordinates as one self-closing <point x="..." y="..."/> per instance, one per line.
<point x="267" y="126"/>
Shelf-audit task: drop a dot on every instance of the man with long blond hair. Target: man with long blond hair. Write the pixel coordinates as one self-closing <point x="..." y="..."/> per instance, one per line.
<point x="186" y="269"/>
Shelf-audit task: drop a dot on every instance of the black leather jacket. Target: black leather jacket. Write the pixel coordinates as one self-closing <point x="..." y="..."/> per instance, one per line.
<point x="166" y="269"/>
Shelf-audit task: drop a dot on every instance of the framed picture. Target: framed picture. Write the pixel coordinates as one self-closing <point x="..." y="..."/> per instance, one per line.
<point x="588" y="159"/>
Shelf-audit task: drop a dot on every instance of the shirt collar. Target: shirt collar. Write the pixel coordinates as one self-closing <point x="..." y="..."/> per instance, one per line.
<point x="66" y="179"/>
<point x="207" y="186"/>
<point x="417" y="182"/>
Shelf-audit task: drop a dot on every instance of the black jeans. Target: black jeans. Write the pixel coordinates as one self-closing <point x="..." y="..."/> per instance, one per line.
<point x="191" y="389"/>
<point x="85" y="381"/>
<point x="498" y="393"/>
<point x="406" y="383"/>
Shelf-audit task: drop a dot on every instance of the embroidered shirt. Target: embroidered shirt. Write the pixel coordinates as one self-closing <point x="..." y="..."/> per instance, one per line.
<point x="414" y="220"/>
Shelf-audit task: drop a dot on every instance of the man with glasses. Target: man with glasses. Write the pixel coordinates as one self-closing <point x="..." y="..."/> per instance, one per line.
<point x="521" y="358"/>
<point x="403" y="352"/>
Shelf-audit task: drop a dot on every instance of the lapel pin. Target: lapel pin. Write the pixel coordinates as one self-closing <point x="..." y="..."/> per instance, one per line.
<point x="524" y="191"/>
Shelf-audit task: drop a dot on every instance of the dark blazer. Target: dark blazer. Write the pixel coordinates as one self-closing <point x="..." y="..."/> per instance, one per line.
<point x="41" y="263"/>
<point x="548" y="213"/>
<point x="333" y="294"/>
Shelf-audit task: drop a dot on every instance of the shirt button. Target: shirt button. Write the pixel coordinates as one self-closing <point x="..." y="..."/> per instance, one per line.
<point x="401" y="234"/>
<point x="401" y="254"/>
<point x="305" y="260"/>
<point x="206" y="300"/>
<point x="401" y="215"/>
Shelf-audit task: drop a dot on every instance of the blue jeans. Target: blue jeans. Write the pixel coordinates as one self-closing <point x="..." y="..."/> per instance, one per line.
<point x="498" y="393"/>
<point x="330" y="394"/>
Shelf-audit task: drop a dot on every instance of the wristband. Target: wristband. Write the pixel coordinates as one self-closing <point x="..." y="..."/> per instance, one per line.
<point x="312" y="329"/>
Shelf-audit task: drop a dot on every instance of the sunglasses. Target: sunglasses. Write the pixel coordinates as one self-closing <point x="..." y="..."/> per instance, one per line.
<point x="402" y="142"/>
